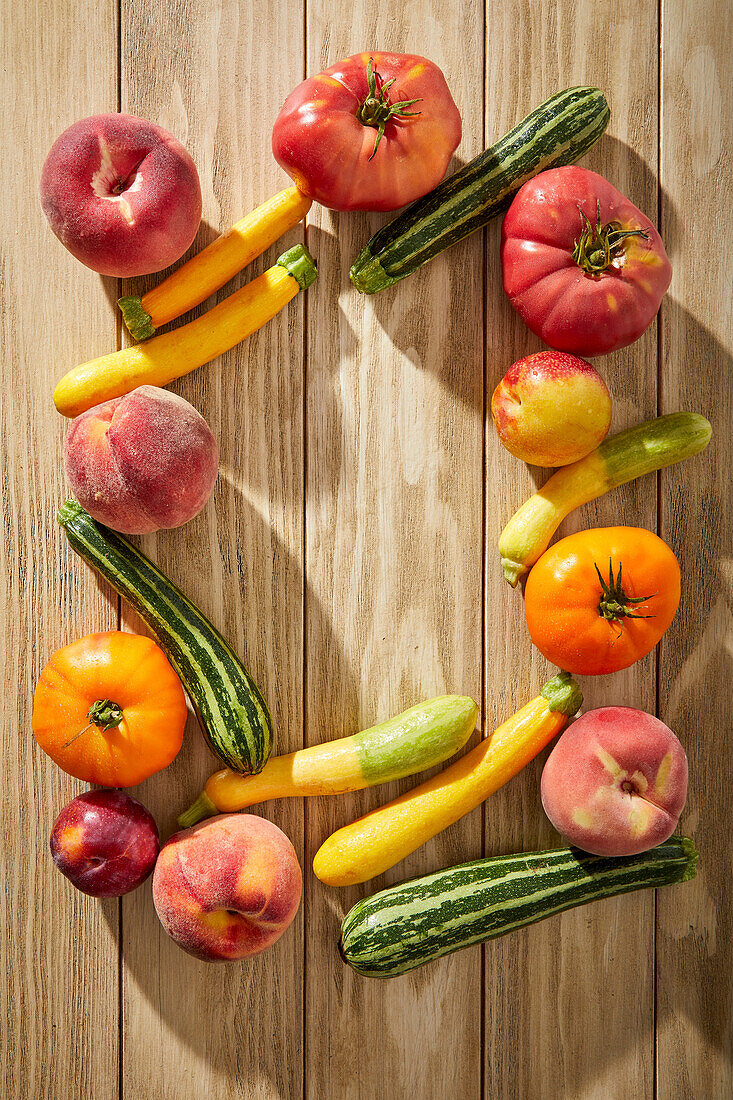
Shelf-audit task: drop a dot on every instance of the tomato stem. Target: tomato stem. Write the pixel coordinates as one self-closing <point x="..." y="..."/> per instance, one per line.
<point x="376" y="110"/>
<point x="77" y="735"/>
<point x="104" y="713"/>
<point x="599" y="245"/>
<point x="614" y="604"/>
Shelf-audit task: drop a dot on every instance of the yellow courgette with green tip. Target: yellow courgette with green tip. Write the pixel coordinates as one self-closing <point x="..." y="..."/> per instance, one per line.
<point x="215" y="265"/>
<point x="417" y="739"/>
<point x="641" y="450"/>
<point x="385" y="836"/>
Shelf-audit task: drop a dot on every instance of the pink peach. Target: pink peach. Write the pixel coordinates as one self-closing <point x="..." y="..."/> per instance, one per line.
<point x="551" y="409"/>
<point x="141" y="462"/>
<point x="228" y="887"/>
<point x="616" y="782"/>
<point x="122" y="194"/>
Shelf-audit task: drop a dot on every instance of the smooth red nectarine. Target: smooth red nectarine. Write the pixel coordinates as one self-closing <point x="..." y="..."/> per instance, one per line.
<point x="105" y="842"/>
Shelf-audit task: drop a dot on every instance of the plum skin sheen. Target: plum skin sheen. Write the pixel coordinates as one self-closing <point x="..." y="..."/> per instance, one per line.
<point x="105" y="842"/>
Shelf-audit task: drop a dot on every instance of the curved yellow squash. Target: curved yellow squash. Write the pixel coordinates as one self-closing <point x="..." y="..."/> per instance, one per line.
<point x="173" y="354"/>
<point x="215" y="265"/>
<point x="385" y="836"/>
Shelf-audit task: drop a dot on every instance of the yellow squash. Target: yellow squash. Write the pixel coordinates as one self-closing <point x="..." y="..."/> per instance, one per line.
<point x="620" y="458"/>
<point x="412" y="741"/>
<point x="215" y="265"/>
<point x="173" y="354"/>
<point x="385" y="836"/>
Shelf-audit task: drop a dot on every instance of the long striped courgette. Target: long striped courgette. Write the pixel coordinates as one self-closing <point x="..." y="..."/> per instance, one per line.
<point x="560" y="131"/>
<point x="233" y="714"/>
<point x="419" y="921"/>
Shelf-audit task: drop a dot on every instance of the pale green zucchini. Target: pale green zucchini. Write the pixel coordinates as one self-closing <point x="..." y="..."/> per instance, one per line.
<point x="620" y="458"/>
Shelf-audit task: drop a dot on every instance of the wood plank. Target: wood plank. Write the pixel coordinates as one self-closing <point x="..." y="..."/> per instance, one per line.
<point x="564" y="984"/>
<point x="394" y="404"/>
<point x="59" y="953"/>
<point x="194" y="1030"/>
<point x="694" y="951"/>
<point x="393" y="600"/>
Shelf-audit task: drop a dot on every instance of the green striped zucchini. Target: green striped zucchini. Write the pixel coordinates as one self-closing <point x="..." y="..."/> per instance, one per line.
<point x="233" y="714"/>
<point x="416" y="922"/>
<point x="560" y="131"/>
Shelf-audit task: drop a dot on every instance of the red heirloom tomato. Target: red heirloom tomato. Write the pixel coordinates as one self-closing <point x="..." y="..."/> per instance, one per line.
<point x="582" y="266"/>
<point x="373" y="132"/>
<point x="598" y="601"/>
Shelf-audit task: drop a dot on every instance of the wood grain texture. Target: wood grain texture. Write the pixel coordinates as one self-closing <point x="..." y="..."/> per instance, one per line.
<point x="694" y="949"/>
<point x="544" y="1014"/>
<point x="193" y="1029"/>
<point x="362" y="489"/>
<point x="58" y="956"/>
<point x="393" y="498"/>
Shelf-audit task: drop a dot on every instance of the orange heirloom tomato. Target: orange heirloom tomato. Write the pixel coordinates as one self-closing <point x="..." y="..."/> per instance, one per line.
<point x="597" y="601"/>
<point x="109" y="709"/>
<point x="373" y="132"/>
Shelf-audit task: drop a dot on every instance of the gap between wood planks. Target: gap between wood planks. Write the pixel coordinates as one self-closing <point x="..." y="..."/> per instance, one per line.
<point x="120" y="338"/>
<point x="659" y="509"/>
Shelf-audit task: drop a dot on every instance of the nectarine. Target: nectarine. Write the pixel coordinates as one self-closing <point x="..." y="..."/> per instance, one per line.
<point x="616" y="782"/>
<point x="105" y="842"/>
<point x="141" y="462"/>
<point x="551" y="409"/>
<point x="228" y="887"/>
<point x="122" y="194"/>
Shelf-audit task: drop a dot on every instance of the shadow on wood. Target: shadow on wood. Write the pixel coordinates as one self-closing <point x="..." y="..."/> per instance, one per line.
<point x="180" y="989"/>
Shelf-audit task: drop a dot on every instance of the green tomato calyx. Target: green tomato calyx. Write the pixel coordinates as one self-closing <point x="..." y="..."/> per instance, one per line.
<point x="376" y="110"/>
<point x="615" y="605"/>
<point x="599" y="246"/>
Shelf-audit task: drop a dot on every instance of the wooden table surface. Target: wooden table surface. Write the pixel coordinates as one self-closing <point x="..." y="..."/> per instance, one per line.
<point x="349" y="554"/>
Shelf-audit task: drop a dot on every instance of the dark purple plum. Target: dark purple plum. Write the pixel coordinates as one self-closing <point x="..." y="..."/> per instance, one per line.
<point x="105" y="842"/>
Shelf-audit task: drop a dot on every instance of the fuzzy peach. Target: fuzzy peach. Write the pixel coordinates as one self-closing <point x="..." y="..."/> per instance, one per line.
<point x="141" y="462"/>
<point x="122" y="194"/>
<point x="227" y="888"/>
<point x="551" y="409"/>
<point x="616" y="782"/>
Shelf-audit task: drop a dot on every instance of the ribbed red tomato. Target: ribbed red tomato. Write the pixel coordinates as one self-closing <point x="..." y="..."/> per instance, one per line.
<point x="583" y="267"/>
<point x="373" y="132"/>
